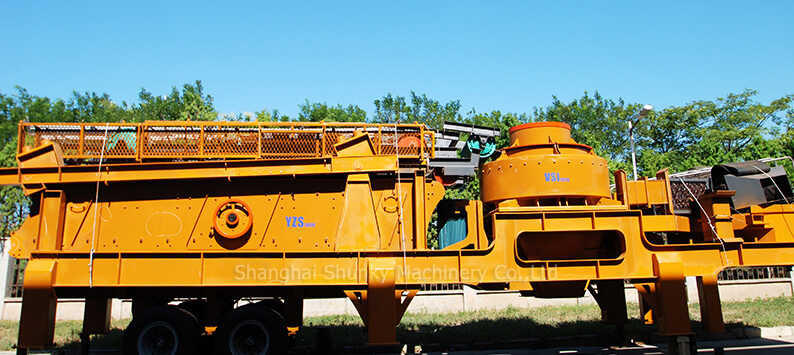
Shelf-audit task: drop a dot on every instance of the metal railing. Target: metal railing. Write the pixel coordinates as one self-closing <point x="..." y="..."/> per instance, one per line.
<point x="755" y="273"/>
<point x="441" y="287"/>
<point x="221" y="140"/>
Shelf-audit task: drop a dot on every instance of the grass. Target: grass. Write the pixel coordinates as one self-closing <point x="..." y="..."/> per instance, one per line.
<point x="768" y="312"/>
<point x="67" y="334"/>
<point x="470" y="327"/>
<point x="514" y="323"/>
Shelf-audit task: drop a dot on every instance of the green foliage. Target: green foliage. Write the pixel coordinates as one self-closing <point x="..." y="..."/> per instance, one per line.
<point x="391" y="109"/>
<point x="316" y="112"/>
<point x="706" y="133"/>
<point x="13" y="210"/>
<point x="189" y="104"/>
<point x="270" y="116"/>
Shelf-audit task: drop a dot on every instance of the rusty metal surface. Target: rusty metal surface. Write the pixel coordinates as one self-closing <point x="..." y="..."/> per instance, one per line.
<point x="682" y="197"/>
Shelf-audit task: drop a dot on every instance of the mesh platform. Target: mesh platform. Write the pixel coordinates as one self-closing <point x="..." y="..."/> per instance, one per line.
<point x="128" y="142"/>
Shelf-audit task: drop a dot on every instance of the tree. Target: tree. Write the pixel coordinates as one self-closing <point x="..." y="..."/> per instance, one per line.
<point x="736" y="120"/>
<point x="270" y="116"/>
<point x="705" y="133"/>
<point x="14" y="205"/>
<point x="665" y="137"/>
<point x="189" y="104"/>
<point x="392" y="109"/>
<point x="89" y="107"/>
<point x="316" y="112"/>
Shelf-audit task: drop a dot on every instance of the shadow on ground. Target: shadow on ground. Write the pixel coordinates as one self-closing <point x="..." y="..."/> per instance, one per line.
<point x="500" y="333"/>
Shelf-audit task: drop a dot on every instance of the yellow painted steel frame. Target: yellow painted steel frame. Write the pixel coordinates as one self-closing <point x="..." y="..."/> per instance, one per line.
<point x="334" y="225"/>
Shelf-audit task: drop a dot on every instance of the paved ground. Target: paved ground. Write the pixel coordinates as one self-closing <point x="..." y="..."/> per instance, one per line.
<point x="776" y="345"/>
<point x="780" y="345"/>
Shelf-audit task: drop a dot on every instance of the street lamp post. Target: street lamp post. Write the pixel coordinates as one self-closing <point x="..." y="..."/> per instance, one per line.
<point x="632" y="122"/>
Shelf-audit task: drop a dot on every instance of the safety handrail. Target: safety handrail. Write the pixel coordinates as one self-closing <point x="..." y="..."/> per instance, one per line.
<point x="179" y="140"/>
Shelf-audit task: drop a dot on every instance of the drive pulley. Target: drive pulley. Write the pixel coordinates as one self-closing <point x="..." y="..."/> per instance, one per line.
<point x="233" y="219"/>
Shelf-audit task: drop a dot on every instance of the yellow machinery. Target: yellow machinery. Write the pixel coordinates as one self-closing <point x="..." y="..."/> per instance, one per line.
<point x="213" y="213"/>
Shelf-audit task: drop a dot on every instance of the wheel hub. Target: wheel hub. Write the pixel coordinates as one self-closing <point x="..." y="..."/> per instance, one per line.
<point x="158" y="338"/>
<point x="249" y="337"/>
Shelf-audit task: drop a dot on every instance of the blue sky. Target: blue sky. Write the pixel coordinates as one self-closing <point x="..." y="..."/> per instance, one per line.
<point x="507" y="55"/>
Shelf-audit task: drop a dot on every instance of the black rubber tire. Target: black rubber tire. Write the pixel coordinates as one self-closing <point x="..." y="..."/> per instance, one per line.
<point x="172" y="321"/>
<point x="198" y="308"/>
<point x="252" y="320"/>
<point x="274" y="304"/>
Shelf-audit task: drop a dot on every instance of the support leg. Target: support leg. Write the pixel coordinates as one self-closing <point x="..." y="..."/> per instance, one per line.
<point x="293" y="311"/>
<point x="671" y="310"/>
<point x="85" y="342"/>
<point x="96" y="320"/>
<point x="647" y="296"/>
<point x="216" y="308"/>
<point x="681" y="345"/>
<point x="293" y="316"/>
<point x="37" y="321"/>
<point x="382" y="313"/>
<point x="612" y="301"/>
<point x="710" y="307"/>
<point x="381" y="306"/>
<point x="611" y="298"/>
<point x="673" y="313"/>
